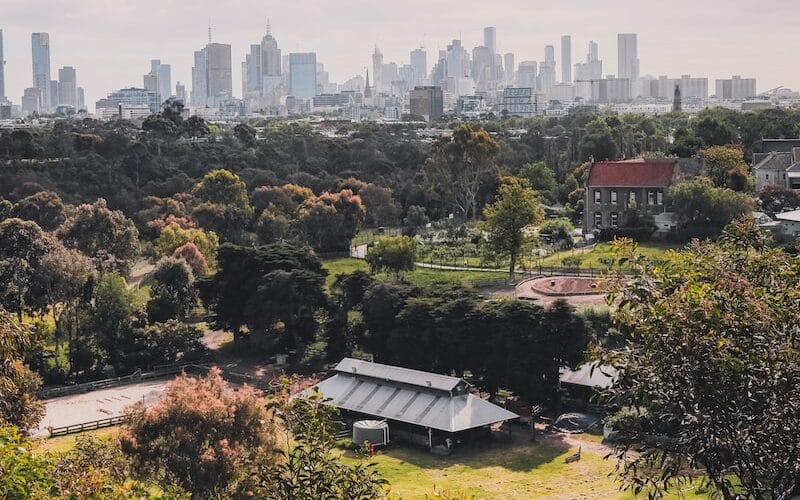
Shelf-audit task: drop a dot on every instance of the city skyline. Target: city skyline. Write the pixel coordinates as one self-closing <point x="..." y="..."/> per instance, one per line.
<point x="667" y="45"/>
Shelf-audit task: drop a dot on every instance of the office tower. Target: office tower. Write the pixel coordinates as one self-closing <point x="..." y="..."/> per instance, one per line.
<point x="262" y="69"/>
<point x="130" y="103"/>
<point x="482" y="60"/>
<point x="40" y="45"/>
<point x="526" y="75"/>
<point x="508" y="66"/>
<point x="67" y="87"/>
<point x="53" y="95"/>
<point x="588" y="75"/>
<point x="159" y="79"/>
<point x="736" y="88"/>
<point x="628" y="56"/>
<point x="2" y="71"/>
<point x="490" y="39"/>
<point x="377" y="70"/>
<point x="81" y="99"/>
<point x="180" y="92"/>
<point x="419" y="65"/>
<point x="31" y="101"/>
<point x="566" y="59"/>
<point x="427" y="101"/>
<point x="212" y="81"/>
<point x="593" y="54"/>
<point x="303" y="74"/>
<point x="457" y="70"/>
<point x="547" y="69"/>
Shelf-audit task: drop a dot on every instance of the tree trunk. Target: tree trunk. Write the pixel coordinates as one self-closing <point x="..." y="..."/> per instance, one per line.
<point x="513" y="266"/>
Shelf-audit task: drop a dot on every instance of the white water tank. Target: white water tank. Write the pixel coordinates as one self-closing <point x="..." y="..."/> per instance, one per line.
<point x="372" y="431"/>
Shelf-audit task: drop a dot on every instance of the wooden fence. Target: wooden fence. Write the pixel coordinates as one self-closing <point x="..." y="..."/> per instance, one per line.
<point x="86" y="426"/>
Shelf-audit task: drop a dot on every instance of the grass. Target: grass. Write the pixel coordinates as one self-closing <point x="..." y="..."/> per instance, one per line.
<point x="63" y="444"/>
<point x="591" y="258"/>
<point x="420" y="276"/>
<point x="517" y="470"/>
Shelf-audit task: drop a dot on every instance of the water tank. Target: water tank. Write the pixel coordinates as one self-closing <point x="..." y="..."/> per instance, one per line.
<point x="372" y="431"/>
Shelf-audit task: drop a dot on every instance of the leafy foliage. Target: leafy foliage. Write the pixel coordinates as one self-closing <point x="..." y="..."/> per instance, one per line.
<point x="18" y="384"/>
<point x="394" y="254"/>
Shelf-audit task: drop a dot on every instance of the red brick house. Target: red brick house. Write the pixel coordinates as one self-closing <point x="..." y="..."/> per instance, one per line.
<point x="614" y="186"/>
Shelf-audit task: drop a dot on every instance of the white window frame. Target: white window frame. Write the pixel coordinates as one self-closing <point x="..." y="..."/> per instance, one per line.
<point x="614" y="220"/>
<point x="660" y="197"/>
<point x="651" y="198"/>
<point x="598" y="196"/>
<point x="614" y="197"/>
<point x="632" y="197"/>
<point x="598" y="219"/>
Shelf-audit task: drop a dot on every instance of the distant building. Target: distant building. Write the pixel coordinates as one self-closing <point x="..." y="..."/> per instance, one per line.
<point x="628" y="57"/>
<point x="2" y="71"/>
<point x="212" y="80"/>
<point x="509" y="68"/>
<point x="521" y="101"/>
<point x="547" y="70"/>
<point x="427" y="101"/>
<point x="81" y="99"/>
<point x="588" y="74"/>
<point x="67" y="87"/>
<point x="341" y="99"/>
<point x="789" y="224"/>
<point x="613" y="90"/>
<point x="736" y="88"/>
<point x="527" y="75"/>
<point x="778" y="165"/>
<point x="31" y="101"/>
<point x="135" y="103"/>
<point x="615" y="186"/>
<point x="690" y="88"/>
<point x="471" y="106"/>
<point x="40" y="45"/>
<point x="159" y="79"/>
<point x="419" y="66"/>
<point x="303" y="75"/>
<point x="566" y="59"/>
<point x="180" y="92"/>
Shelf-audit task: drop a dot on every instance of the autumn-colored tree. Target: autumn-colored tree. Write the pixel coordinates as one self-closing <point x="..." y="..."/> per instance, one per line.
<point x="173" y="237"/>
<point x="199" y="435"/>
<point x="194" y="257"/>
<point x="331" y="220"/>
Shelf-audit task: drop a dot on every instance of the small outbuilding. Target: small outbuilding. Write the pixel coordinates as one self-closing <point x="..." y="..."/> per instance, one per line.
<point x="421" y="407"/>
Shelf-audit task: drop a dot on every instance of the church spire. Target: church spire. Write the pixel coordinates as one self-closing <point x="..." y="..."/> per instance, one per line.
<point x="367" y="90"/>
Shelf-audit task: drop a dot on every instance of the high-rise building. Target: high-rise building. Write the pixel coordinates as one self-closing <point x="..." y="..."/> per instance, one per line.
<point x="482" y="60"/>
<point x="159" y="79"/>
<point x="547" y="69"/>
<point x="736" y="88"/>
<point x="508" y="66"/>
<point x="419" y="66"/>
<point x="180" y="92"/>
<point x="303" y="74"/>
<point x="67" y="87"/>
<point x="527" y="75"/>
<point x="31" y="101"/>
<point x="628" y="56"/>
<point x="212" y="80"/>
<point x="262" y="68"/>
<point x="40" y="46"/>
<point x="2" y="71"/>
<point x="377" y="70"/>
<point x="588" y="75"/>
<point x="130" y="103"/>
<point x="457" y="69"/>
<point x="490" y="38"/>
<point x="81" y="99"/>
<point x="566" y="59"/>
<point x="427" y="101"/>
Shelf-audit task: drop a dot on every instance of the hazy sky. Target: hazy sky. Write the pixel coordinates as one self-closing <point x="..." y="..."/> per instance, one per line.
<point x="110" y="42"/>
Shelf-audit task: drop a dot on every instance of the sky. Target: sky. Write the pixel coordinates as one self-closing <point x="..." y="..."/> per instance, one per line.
<point x="110" y="42"/>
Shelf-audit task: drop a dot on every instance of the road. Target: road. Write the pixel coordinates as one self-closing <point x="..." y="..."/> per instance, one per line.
<point x="96" y="405"/>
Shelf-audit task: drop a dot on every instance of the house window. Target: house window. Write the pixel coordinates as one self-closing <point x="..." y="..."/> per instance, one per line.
<point x="767" y="176"/>
<point x="632" y="197"/>
<point x="614" y="220"/>
<point x="598" y="219"/>
<point x="614" y="197"/>
<point x="597" y="196"/>
<point x="651" y="198"/>
<point x="660" y="197"/>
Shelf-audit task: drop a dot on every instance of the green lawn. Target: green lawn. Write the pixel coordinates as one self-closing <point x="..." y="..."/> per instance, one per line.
<point x="591" y="258"/>
<point x="63" y="444"/>
<point x="420" y="276"/>
<point x="505" y="470"/>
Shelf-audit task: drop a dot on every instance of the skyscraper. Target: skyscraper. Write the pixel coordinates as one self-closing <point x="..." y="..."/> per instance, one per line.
<point x="482" y="60"/>
<point x="159" y="79"/>
<point x="303" y="74"/>
<point x="628" y="56"/>
<point x="547" y="69"/>
<point x="490" y="39"/>
<point x="588" y="74"/>
<point x="81" y="99"/>
<point x="263" y="68"/>
<point x="419" y="65"/>
<point x="566" y="59"/>
<point x="526" y="75"/>
<point x="67" y="87"/>
<point x="212" y="80"/>
<point x="377" y="70"/>
<point x="2" y="71"/>
<point x="180" y="92"/>
<point x="40" y="45"/>
<point x="508" y="65"/>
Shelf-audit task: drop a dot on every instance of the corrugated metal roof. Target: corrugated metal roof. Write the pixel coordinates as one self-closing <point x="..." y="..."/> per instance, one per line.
<point x="398" y="402"/>
<point x="589" y="375"/>
<point x="398" y="374"/>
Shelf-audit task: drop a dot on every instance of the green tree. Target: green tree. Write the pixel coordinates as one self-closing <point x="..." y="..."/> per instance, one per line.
<point x="109" y="238"/>
<point x="416" y="218"/>
<point x="310" y="467"/>
<point x="22" y="247"/>
<point x="23" y="474"/>
<point x="173" y="236"/>
<point x="460" y="165"/>
<point x="598" y="141"/>
<point x="173" y="294"/>
<point x="225" y="207"/>
<point x="18" y="384"/>
<point x="723" y="164"/>
<point x="199" y="436"/>
<point x="541" y="178"/>
<point x="713" y="359"/>
<point x="114" y="313"/>
<point x="556" y="230"/>
<point x="330" y="221"/>
<point x="516" y="208"/>
<point x="699" y="203"/>
<point x="44" y="208"/>
<point x="394" y="254"/>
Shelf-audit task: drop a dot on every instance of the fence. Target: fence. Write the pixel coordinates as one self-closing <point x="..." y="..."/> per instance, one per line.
<point x="86" y="426"/>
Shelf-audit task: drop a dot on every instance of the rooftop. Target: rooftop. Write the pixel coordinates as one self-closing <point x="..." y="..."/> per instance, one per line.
<point x="633" y="173"/>
<point x="398" y="374"/>
<point x="793" y="216"/>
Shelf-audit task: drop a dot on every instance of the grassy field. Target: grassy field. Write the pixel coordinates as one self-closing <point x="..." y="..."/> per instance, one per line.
<point x="421" y="277"/>
<point x="519" y="470"/>
<point x="62" y="444"/>
<point x="591" y="258"/>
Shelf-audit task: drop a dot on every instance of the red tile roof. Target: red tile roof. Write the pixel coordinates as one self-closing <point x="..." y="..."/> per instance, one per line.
<point x="632" y="173"/>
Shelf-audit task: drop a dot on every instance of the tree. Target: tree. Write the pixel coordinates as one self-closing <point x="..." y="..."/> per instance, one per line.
<point x="109" y="238"/>
<point x="272" y="226"/>
<point x="713" y="361"/>
<point x="246" y="135"/>
<point x="18" y="384"/>
<point x="598" y="141"/>
<point x="113" y="317"/>
<point x="416" y="218"/>
<point x="310" y="467"/>
<point x="380" y="206"/>
<point x="225" y="207"/>
<point x="173" y="237"/>
<point x="173" y="294"/>
<point x="192" y="255"/>
<point x="541" y="178"/>
<point x="393" y="254"/>
<point x="699" y="203"/>
<point x="516" y="208"/>
<point x="167" y="343"/>
<point x="724" y="165"/>
<point x="22" y="247"/>
<point x="555" y="230"/>
<point x="777" y="199"/>
<point x="199" y="435"/>
<point x="44" y="208"/>
<point x="331" y="220"/>
<point x="23" y="474"/>
<point x="459" y="166"/>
